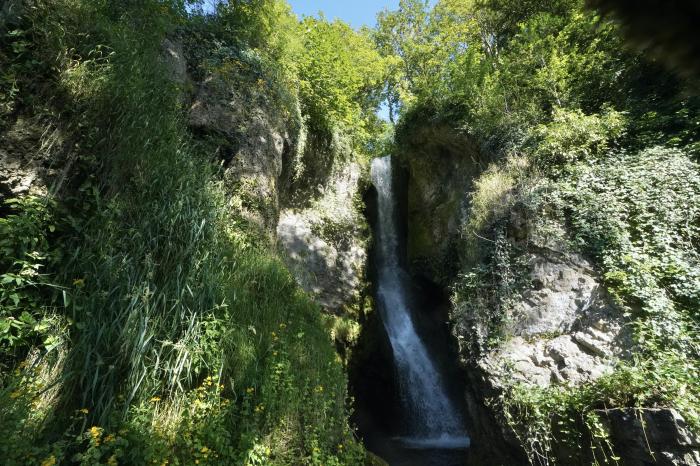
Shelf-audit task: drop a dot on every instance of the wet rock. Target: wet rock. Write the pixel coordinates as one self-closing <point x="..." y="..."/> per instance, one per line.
<point x="442" y="164"/>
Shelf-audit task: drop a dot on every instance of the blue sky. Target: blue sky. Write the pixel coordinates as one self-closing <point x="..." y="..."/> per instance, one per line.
<point x="355" y="12"/>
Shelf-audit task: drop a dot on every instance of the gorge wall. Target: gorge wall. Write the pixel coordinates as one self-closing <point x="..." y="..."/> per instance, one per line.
<point x="313" y="214"/>
<point x="560" y="327"/>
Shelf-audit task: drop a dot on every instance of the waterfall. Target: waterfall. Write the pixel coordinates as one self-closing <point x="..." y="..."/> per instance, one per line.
<point x="434" y="422"/>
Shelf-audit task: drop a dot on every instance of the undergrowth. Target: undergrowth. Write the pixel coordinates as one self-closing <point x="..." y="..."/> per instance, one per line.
<point x="634" y="214"/>
<point x="139" y="324"/>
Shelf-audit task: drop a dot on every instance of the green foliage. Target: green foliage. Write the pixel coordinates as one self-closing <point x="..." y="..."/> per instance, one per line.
<point x="484" y="296"/>
<point x="572" y="136"/>
<point x="339" y="71"/>
<point x="635" y="213"/>
<point x="188" y="340"/>
<point x="557" y="416"/>
<point x="431" y="54"/>
<point x="25" y="317"/>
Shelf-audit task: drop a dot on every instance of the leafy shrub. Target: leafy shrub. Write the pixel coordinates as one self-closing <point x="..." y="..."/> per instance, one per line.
<point x="635" y="212"/>
<point x="572" y="136"/>
<point x="25" y="316"/>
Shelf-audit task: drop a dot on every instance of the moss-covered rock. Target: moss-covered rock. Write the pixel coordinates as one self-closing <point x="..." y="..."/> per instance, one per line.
<point x="441" y="164"/>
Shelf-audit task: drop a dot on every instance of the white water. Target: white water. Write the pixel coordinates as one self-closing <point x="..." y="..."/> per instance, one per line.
<point x="435" y="423"/>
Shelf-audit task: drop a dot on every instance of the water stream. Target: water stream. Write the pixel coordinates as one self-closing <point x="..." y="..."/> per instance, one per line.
<point x="432" y="422"/>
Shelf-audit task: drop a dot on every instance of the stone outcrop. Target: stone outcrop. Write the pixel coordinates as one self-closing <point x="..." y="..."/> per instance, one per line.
<point x="251" y="143"/>
<point x="564" y="331"/>
<point x="325" y="243"/>
<point x="33" y="158"/>
<point x="652" y="437"/>
<point x="323" y="236"/>
<point x="441" y="165"/>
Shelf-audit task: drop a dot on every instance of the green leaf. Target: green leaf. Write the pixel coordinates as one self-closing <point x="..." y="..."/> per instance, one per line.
<point x="27" y="318"/>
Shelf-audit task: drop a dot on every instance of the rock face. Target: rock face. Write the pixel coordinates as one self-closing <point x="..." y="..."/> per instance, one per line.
<point x="251" y="144"/>
<point x="32" y="159"/>
<point x="323" y="237"/>
<point x="652" y="437"/>
<point x="563" y="329"/>
<point x="325" y="244"/>
<point x="441" y="166"/>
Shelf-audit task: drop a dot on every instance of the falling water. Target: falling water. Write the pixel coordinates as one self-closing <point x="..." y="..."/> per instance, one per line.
<point x="434" y="422"/>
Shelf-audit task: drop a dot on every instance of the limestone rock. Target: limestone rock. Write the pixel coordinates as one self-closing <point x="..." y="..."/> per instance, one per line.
<point x="652" y="436"/>
<point x="564" y="289"/>
<point x="252" y="141"/>
<point x="325" y="244"/>
<point x="32" y="159"/>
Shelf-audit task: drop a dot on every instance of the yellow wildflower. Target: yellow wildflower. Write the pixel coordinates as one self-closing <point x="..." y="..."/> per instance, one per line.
<point x="112" y="461"/>
<point x="204" y="450"/>
<point x="109" y="438"/>
<point x="155" y="399"/>
<point x="83" y="410"/>
<point x="249" y="390"/>
<point x="50" y="461"/>
<point x="79" y="282"/>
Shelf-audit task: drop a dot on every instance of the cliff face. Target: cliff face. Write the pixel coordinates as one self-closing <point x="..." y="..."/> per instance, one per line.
<point x="249" y="137"/>
<point x="315" y="219"/>
<point x="313" y="214"/>
<point x="441" y="165"/>
<point x="325" y="243"/>
<point x="541" y="317"/>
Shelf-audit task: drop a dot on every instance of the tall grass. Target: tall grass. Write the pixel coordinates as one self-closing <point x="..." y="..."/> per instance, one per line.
<point x="164" y="297"/>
